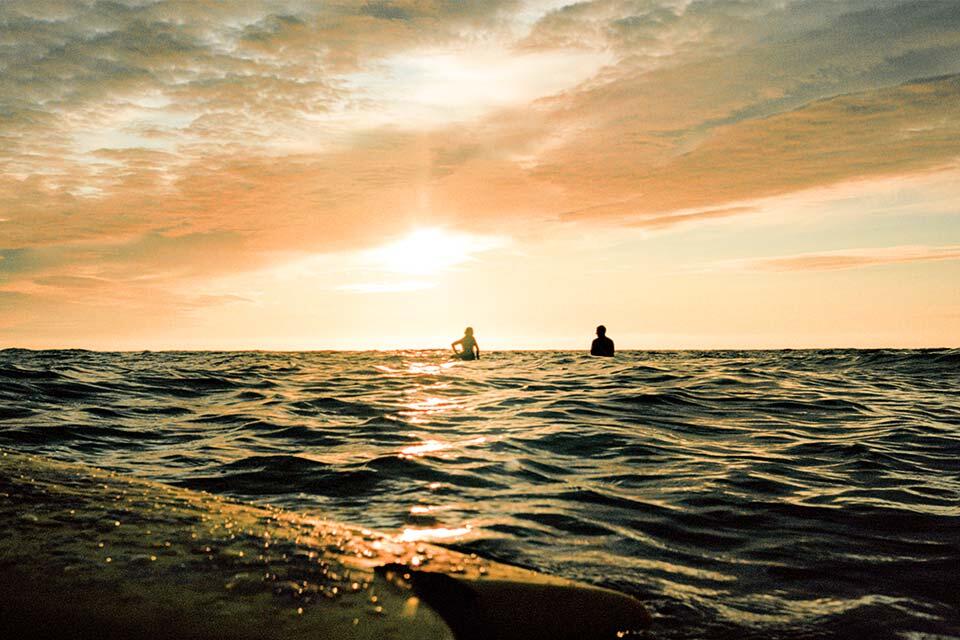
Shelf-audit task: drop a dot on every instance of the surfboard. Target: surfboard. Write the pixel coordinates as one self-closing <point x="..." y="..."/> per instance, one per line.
<point x="89" y="553"/>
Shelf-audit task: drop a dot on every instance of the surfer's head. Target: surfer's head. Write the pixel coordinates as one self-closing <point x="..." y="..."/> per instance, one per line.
<point x="468" y="331"/>
<point x="601" y="331"/>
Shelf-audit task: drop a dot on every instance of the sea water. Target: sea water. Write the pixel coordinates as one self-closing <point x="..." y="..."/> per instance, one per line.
<point x="759" y="494"/>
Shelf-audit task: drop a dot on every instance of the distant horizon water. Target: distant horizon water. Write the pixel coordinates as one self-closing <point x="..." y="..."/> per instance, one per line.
<point x="495" y="349"/>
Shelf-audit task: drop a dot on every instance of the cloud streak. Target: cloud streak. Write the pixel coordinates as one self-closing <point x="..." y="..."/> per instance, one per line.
<point x="850" y="259"/>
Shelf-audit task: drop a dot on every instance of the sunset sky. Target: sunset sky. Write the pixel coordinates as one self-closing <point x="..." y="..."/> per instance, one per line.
<point x="307" y="175"/>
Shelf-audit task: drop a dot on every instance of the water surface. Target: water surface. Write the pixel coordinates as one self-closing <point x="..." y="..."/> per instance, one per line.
<point x="788" y="494"/>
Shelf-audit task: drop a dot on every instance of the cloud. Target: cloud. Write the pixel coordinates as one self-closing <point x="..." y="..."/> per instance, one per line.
<point x="674" y="219"/>
<point x="892" y="131"/>
<point x="144" y="257"/>
<point x="702" y="70"/>
<point x="850" y="258"/>
<point x="243" y="73"/>
<point x="247" y="116"/>
<point x="71" y="282"/>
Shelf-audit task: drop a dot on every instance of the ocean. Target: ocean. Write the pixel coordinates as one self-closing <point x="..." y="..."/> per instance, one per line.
<point x="738" y="494"/>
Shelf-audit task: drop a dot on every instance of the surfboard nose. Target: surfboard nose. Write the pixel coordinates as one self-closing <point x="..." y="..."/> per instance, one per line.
<point x="505" y="609"/>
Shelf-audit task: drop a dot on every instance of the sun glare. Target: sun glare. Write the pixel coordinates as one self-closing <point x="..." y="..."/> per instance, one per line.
<point x="430" y="251"/>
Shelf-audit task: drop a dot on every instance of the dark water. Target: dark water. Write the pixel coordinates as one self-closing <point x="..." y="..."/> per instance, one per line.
<point x="792" y="494"/>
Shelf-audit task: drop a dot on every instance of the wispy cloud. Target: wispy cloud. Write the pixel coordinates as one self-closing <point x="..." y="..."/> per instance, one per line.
<point x="848" y="259"/>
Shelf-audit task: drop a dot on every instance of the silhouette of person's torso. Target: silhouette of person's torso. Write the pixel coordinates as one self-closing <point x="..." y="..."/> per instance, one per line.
<point x="602" y="346"/>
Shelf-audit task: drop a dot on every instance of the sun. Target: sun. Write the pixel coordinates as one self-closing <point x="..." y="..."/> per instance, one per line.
<point x="430" y="251"/>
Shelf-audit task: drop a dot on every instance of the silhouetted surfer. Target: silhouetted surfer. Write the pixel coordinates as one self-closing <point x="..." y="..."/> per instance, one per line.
<point x="602" y="345"/>
<point x="468" y="346"/>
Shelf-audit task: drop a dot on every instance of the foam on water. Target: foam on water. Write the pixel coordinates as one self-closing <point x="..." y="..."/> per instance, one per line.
<point x="794" y="494"/>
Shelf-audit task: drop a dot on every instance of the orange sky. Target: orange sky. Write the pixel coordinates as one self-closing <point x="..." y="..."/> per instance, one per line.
<point x="291" y="174"/>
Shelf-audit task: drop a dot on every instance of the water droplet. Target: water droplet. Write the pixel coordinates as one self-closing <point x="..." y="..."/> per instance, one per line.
<point x="411" y="606"/>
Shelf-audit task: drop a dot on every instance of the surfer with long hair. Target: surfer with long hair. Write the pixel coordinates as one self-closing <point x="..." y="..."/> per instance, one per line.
<point x="469" y="350"/>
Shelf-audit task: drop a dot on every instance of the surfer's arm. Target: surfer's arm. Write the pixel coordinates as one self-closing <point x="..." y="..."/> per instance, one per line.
<point x="453" y="345"/>
<point x="476" y="349"/>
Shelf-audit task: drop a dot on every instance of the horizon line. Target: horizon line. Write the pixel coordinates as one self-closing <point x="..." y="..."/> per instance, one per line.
<point x="585" y="350"/>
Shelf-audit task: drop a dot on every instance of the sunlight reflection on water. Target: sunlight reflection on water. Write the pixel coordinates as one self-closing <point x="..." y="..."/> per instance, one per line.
<point x="434" y="446"/>
<point x="435" y="534"/>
